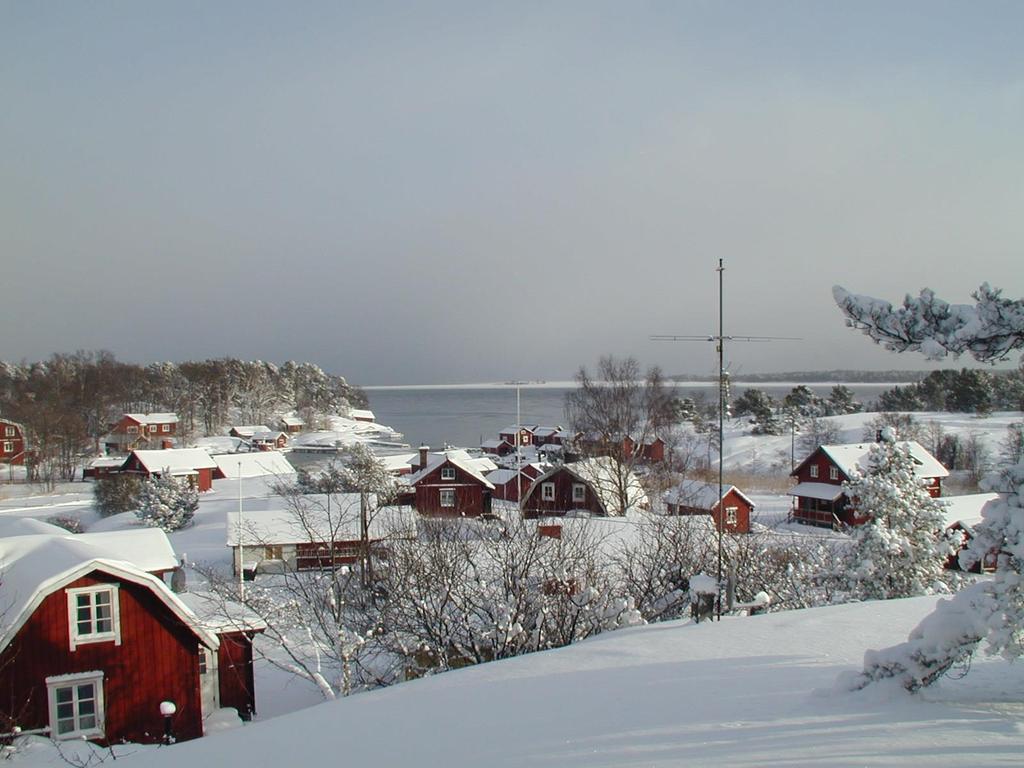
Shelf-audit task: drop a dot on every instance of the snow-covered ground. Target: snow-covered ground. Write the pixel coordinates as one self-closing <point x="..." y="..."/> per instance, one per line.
<point x="752" y="691"/>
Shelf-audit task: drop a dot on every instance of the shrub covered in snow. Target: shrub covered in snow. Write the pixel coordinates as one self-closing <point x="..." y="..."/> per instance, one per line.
<point x="166" y="502"/>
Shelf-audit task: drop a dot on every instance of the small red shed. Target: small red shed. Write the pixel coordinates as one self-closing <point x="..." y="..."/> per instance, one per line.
<point x="697" y="498"/>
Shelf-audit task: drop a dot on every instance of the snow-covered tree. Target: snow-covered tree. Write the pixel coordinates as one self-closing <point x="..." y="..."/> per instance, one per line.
<point x="166" y="502"/>
<point x="991" y="610"/>
<point x="901" y="550"/>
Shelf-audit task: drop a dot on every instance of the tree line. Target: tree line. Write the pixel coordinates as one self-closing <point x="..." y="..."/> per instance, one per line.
<point x="68" y="402"/>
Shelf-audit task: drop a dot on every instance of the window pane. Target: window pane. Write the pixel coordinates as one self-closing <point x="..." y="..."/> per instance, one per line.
<point x="86" y="721"/>
<point x="65" y="726"/>
<point x="63" y="695"/>
<point x="85" y="694"/>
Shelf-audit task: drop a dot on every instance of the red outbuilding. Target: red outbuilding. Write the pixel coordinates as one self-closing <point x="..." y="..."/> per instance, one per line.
<point x="446" y="484"/>
<point x="696" y="498"/>
<point x="192" y="463"/>
<point x="12" y="443"/>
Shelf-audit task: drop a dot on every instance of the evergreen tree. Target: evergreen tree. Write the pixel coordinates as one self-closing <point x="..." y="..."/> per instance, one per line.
<point x="842" y="401"/>
<point x="167" y="503"/>
<point x="116" y="494"/>
<point x="902" y="548"/>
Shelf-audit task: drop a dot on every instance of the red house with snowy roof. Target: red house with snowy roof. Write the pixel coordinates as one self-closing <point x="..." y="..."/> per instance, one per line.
<point x="818" y="497"/>
<point x="12" y="442"/>
<point x="696" y="498"/>
<point x="91" y="644"/>
<point x="141" y="430"/>
<point x="448" y="484"/>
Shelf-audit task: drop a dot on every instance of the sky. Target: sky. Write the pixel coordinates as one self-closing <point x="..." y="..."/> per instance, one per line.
<point x="461" y="192"/>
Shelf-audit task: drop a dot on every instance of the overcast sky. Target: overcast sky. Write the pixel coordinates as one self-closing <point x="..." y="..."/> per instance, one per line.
<point x="449" y="192"/>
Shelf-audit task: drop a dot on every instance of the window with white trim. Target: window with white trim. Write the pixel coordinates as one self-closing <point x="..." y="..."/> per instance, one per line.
<point x="165" y="427"/>
<point x="833" y="473"/>
<point x="447" y="473"/>
<point x="76" y="705"/>
<point x="547" y="491"/>
<point x="447" y="497"/>
<point x="814" y="470"/>
<point x="579" y="492"/>
<point x="93" y="615"/>
<point x="8" y="431"/>
<point x="132" y="429"/>
<point x="730" y="515"/>
<point x="8" y="446"/>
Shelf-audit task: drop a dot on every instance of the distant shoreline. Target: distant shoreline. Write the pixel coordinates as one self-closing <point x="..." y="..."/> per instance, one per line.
<point x="572" y="384"/>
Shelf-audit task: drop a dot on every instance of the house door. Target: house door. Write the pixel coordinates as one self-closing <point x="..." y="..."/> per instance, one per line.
<point x="209" y="681"/>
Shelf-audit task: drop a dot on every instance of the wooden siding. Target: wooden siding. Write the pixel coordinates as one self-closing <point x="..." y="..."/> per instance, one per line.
<point x="234" y="661"/>
<point x="472" y="498"/>
<point x="16" y="454"/>
<point x="156" y="661"/>
<point x="535" y="506"/>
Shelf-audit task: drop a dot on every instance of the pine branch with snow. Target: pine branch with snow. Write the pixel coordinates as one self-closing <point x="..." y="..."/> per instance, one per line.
<point x="167" y="503"/>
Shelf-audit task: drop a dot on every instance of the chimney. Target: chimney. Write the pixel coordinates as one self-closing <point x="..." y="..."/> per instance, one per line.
<point x="424" y="449"/>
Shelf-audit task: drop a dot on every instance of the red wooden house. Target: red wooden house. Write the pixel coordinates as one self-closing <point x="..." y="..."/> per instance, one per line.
<point x="598" y="486"/>
<point x="246" y="431"/>
<point x="141" y="430"/>
<point x="12" y="443"/>
<point x="446" y="484"/>
<point x="91" y="645"/>
<point x="696" y="498"/>
<point x="292" y="424"/>
<point x="818" y="495"/>
<point x="193" y="463"/>
<point x="508" y="483"/>
<point x="499" y="447"/>
<point x="521" y="434"/>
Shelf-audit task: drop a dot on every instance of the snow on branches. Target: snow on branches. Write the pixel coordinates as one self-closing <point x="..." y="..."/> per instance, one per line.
<point x="901" y="550"/>
<point x="167" y="503"/>
<point x="988" y="331"/>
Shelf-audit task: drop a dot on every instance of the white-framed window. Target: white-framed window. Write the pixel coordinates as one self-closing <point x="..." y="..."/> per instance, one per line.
<point x="814" y="470"/>
<point x="93" y="615"/>
<point x="204" y="665"/>
<point x="579" y="492"/>
<point x="152" y="428"/>
<point x="447" y="497"/>
<point x="447" y="473"/>
<point x="833" y="473"/>
<point x="76" y="705"/>
<point x="547" y="491"/>
<point x="8" y="431"/>
<point x="165" y="427"/>
<point x="730" y="515"/>
<point x="8" y="446"/>
<point x="132" y="429"/>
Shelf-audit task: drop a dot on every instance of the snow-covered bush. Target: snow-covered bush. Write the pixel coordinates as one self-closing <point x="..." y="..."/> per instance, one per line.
<point x="902" y="548"/>
<point x="116" y="494"/>
<point x="166" y="502"/>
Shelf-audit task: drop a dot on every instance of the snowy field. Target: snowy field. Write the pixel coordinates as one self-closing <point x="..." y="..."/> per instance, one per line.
<point x="757" y="691"/>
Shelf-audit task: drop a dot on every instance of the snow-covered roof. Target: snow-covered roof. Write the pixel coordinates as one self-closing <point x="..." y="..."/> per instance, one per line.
<point x="823" y="491"/>
<point x="267" y="435"/>
<point x="175" y="460"/>
<point x="460" y="459"/>
<point x="361" y="413"/>
<point x="220" y="615"/>
<point x="966" y="509"/>
<point x="154" y="418"/>
<point x="247" y="430"/>
<point x="494" y="443"/>
<point x="36" y="566"/>
<point x="503" y="476"/>
<point x="106" y="461"/>
<point x="257" y="464"/>
<point x="692" y="493"/>
<point x="145" y="548"/>
<point x="292" y="421"/>
<point x="27" y="526"/>
<point x="546" y="431"/>
<point x="852" y="458"/>
<point x="516" y="428"/>
<point x="285" y="526"/>
<point x="397" y="462"/>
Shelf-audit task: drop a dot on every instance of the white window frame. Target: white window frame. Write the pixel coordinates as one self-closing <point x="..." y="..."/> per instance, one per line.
<point x="579" y="492"/>
<point x="447" y="473"/>
<point x="74" y="682"/>
<point x="730" y="515"/>
<point x="8" y="431"/>
<point x="449" y="495"/>
<point x="75" y="636"/>
<point x="152" y="429"/>
<point x="165" y="427"/>
<point x="833" y="473"/>
<point x="547" y="491"/>
<point x="132" y="429"/>
<point x="8" y="446"/>
<point x="814" y="471"/>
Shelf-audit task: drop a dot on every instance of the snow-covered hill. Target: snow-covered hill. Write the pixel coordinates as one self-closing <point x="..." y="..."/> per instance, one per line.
<point x="753" y="691"/>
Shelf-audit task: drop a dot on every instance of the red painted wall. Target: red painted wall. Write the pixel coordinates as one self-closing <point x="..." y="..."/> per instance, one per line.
<point x="234" y="660"/>
<point x="534" y="504"/>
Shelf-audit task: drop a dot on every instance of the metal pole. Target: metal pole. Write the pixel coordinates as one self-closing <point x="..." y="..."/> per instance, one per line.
<point x="721" y="428"/>
<point x="519" y="456"/>
<point x="241" y="548"/>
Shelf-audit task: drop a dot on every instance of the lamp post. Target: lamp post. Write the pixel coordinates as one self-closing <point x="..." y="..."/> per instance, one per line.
<point x="167" y="709"/>
<point x="241" y="546"/>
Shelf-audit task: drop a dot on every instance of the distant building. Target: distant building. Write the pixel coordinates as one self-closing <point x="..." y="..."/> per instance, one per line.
<point x="141" y="430"/>
<point x="193" y="463"/>
<point x="12" y="442"/>
<point x="589" y="486"/>
<point x="695" y="498"/>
